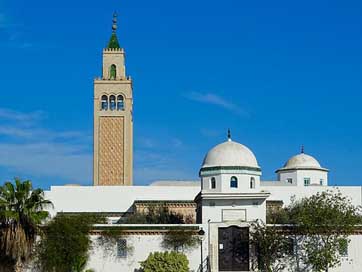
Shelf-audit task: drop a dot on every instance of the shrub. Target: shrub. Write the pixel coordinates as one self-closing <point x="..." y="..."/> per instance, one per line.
<point x="165" y="262"/>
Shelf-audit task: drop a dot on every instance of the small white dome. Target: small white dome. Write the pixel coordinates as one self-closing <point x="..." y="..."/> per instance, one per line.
<point x="302" y="161"/>
<point x="230" y="154"/>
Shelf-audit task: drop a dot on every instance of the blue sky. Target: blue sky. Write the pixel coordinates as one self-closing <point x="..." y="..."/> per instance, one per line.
<point x="278" y="73"/>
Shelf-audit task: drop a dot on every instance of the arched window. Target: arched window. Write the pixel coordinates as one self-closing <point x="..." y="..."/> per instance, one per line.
<point x="112" y="102"/>
<point x="120" y="103"/>
<point x="113" y="72"/>
<point x="233" y="182"/>
<point x="104" y="102"/>
<point x="213" y="183"/>
<point x="252" y="183"/>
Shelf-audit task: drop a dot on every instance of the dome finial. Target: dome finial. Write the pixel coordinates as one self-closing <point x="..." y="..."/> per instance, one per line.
<point x="114" y="25"/>
<point x="302" y="149"/>
<point x="229" y="135"/>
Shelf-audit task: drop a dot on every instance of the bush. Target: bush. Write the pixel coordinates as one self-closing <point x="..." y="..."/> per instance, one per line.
<point x="166" y="262"/>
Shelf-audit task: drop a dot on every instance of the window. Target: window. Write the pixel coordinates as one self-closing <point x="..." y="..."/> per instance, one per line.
<point x="112" y="71"/>
<point x="213" y="183"/>
<point x="306" y="181"/>
<point x="104" y="102"/>
<point x="292" y="246"/>
<point x="120" y="103"/>
<point x="321" y="182"/>
<point x="233" y="182"/>
<point x="122" y="248"/>
<point x="252" y="183"/>
<point x="343" y="248"/>
<point x="290" y="180"/>
<point x="112" y="102"/>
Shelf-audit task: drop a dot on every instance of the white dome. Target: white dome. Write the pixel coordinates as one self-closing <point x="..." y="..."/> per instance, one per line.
<point x="230" y="154"/>
<point x="302" y="161"/>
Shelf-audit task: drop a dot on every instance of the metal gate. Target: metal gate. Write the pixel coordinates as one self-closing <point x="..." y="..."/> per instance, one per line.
<point x="233" y="249"/>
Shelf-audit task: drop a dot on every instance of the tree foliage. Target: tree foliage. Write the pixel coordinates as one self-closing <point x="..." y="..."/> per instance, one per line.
<point x="323" y="222"/>
<point x="320" y="226"/>
<point x="21" y="212"/>
<point x="166" y="262"/>
<point x="65" y="244"/>
<point x="272" y="247"/>
<point x="180" y="240"/>
<point x="154" y="215"/>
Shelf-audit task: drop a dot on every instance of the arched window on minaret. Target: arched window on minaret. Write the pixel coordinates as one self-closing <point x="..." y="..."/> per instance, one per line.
<point x="120" y="103"/>
<point x="113" y="72"/>
<point x="112" y="102"/>
<point x="104" y="102"/>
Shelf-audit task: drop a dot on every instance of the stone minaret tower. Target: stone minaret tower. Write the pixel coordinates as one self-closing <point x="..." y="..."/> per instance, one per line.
<point x="113" y="124"/>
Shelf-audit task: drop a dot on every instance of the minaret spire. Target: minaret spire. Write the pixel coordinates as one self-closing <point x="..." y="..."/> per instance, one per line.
<point x="113" y="42"/>
<point x="114" y="26"/>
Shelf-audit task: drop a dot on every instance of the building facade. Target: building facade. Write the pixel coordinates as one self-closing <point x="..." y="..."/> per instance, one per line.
<point x="229" y="197"/>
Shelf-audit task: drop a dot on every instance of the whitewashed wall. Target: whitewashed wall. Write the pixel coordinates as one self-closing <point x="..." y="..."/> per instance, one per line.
<point x="140" y="246"/>
<point x="285" y="193"/>
<point x="110" y="199"/>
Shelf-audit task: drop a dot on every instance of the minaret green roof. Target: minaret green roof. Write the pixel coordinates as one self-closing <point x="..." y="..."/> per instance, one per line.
<point x="113" y="42"/>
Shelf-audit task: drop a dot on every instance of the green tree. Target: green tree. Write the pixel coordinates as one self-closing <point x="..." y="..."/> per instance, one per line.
<point x="323" y="223"/>
<point x="180" y="240"/>
<point x="165" y="262"/>
<point x="65" y="244"/>
<point x="80" y="265"/>
<point x="154" y="215"/>
<point x="272" y="247"/>
<point x="21" y="213"/>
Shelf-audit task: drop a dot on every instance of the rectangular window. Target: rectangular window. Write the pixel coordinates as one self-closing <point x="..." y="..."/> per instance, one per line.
<point x="306" y="181"/>
<point x="290" y="180"/>
<point x="122" y="248"/>
<point x="321" y="182"/>
<point x="343" y="248"/>
<point x="213" y="183"/>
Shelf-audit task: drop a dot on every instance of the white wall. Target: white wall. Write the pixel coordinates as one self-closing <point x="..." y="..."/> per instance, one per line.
<point x="298" y="176"/>
<point x="223" y="183"/>
<point x="117" y="199"/>
<point x="285" y="193"/>
<point x="106" y="260"/>
<point x="212" y="209"/>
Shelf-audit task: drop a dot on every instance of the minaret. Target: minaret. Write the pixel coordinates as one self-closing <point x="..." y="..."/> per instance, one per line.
<point x="113" y="124"/>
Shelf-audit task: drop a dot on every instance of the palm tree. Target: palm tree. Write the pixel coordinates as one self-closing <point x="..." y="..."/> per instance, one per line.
<point x="21" y="213"/>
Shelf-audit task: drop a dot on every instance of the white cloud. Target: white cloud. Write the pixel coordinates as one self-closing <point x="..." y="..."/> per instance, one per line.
<point x="65" y="161"/>
<point x="32" y="150"/>
<point x="151" y="166"/>
<point x="213" y="99"/>
<point x="8" y="114"/>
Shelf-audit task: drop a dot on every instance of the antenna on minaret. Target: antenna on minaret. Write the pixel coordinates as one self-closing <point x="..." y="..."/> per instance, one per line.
<point x="229" y="135"/>
<point x="302" y="149"/>
<point x="114" y="25"/>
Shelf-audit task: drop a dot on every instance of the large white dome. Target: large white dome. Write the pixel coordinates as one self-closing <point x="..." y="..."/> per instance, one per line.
<point x="230" y="154"/>
<point x="302" y="161"/>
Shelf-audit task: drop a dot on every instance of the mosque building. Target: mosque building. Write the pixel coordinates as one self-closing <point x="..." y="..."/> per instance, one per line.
<point x="229" y="195"/>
